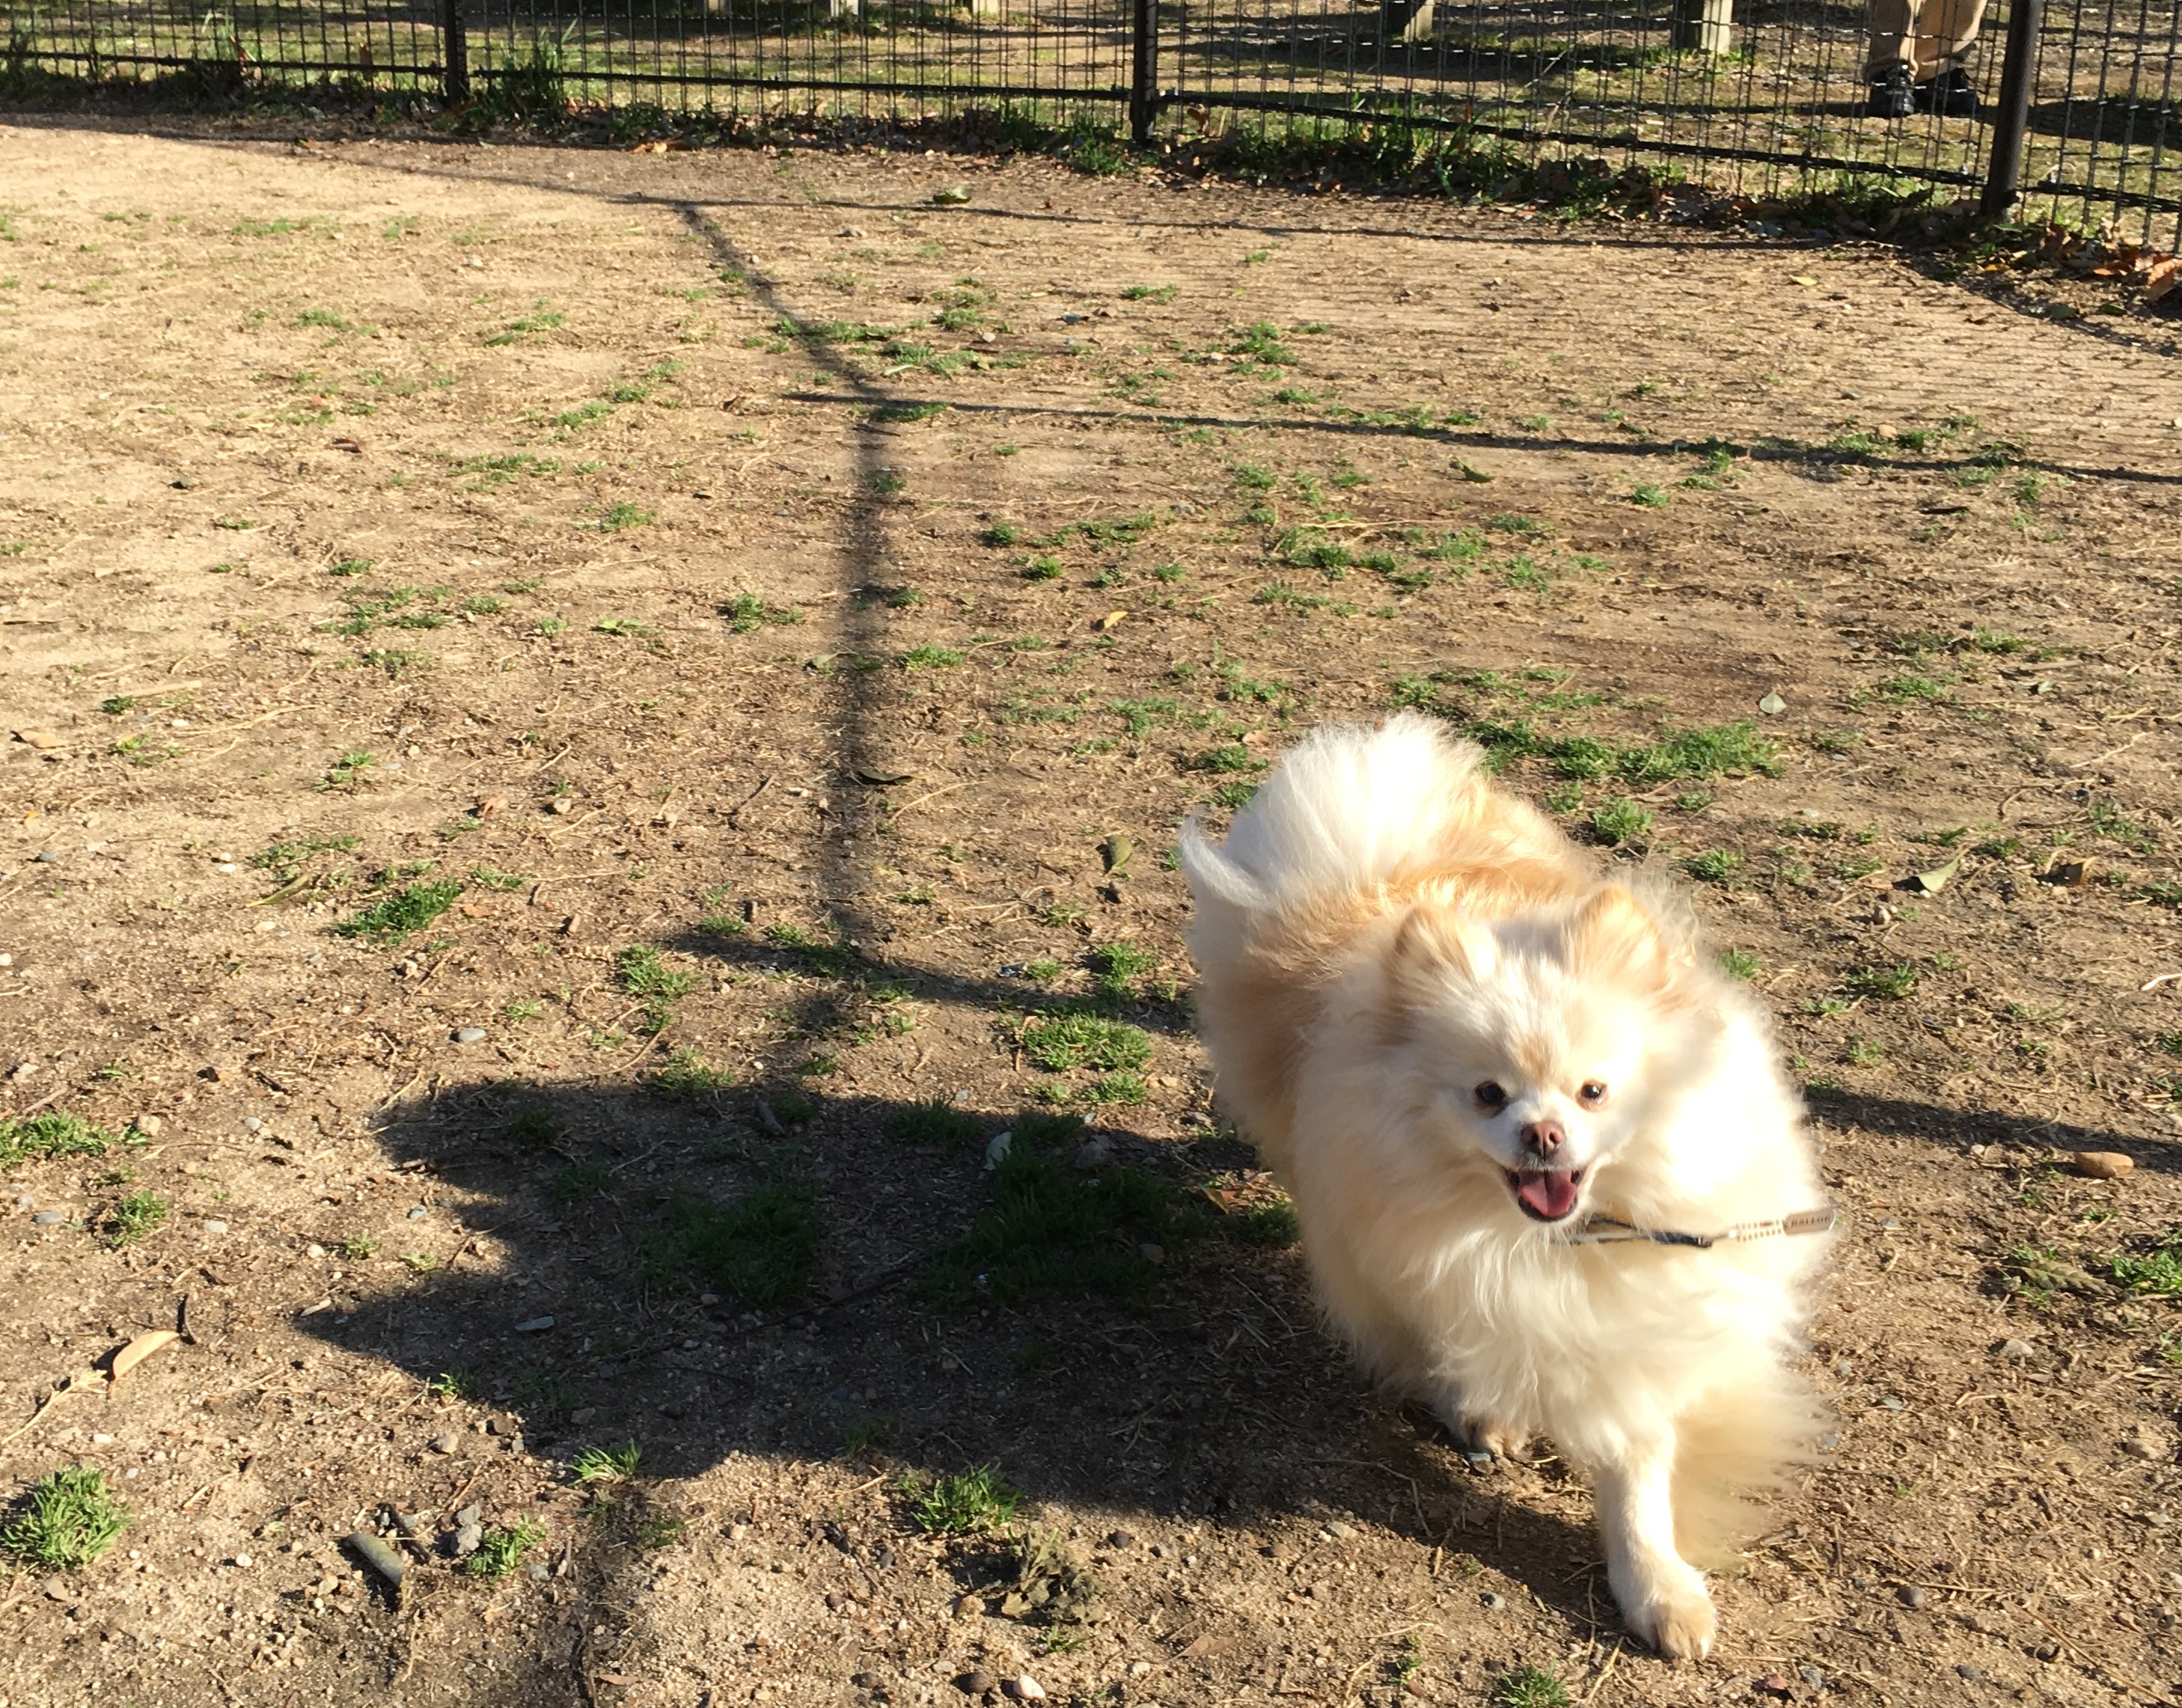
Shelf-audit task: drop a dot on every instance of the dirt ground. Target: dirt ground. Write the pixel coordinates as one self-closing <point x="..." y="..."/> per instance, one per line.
<point x="564" y="554"/>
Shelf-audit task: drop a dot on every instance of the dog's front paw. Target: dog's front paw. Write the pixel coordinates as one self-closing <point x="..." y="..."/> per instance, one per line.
<point x="1669" y="1609"/>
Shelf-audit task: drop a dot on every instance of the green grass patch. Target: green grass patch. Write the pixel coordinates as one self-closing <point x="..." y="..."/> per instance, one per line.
<point x="136" y="1216"/>
<point x="1890" y="984"/>
<point x="502" y="1550"/>
<point x="51" y="1136"/>
<point x="408" y="910"/>
<point x="686" y="1075"/>
<point x="643" y="975"/>
<point x="938" y="1121"/>
<point x="746" y="611"/>
<point x="1053" y="1230"/>
<point x="1531" y="1687"/>
<point x="933" y="658"/>
<point x="602" y="1467"/>
<point x="2156" y="1271"/>
<point x="70" y="1519"/>
<point x="1060" y="1043"/>
<point x="966" y="1504"/>
<point x="1620" y="822"/>
<point x="762" y="1249"/>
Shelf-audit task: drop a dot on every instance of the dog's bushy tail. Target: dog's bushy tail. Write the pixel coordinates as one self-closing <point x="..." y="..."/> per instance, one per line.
<point x="1348" y="808"/>
<point x="1735" y="1455"/>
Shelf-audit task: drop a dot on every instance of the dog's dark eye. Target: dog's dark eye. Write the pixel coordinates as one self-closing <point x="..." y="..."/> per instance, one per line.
<point x="1592" y="1092"/>
<point x="1490" y="1096"/>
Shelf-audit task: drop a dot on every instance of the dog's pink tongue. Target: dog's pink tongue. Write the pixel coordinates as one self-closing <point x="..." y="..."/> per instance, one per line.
<point x="1550" y="1193"/>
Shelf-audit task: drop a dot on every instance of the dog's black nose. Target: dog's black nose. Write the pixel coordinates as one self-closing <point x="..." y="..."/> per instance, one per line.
<point x="1545" y="1137"/>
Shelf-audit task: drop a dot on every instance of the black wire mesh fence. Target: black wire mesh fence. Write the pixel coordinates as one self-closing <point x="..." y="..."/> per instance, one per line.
<point x="2077" y="102"/>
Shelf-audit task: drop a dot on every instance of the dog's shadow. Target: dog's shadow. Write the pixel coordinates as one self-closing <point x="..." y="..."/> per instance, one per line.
<point x="1141" y="1387"/>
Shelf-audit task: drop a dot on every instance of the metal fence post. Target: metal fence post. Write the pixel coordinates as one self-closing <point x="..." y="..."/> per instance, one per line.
<point x="455" y="54"/>
<point x="1143" y="73"/>
<point x="2011" y="124"/>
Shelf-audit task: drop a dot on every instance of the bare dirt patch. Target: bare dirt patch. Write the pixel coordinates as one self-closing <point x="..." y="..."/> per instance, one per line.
<point x="587" y="731"/>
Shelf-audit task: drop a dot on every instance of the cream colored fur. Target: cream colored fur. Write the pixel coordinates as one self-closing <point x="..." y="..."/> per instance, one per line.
<point x="1381" y="935"/>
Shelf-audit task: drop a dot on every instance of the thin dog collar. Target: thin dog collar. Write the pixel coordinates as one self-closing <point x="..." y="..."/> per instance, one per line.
<point x="1600" y="1231"/>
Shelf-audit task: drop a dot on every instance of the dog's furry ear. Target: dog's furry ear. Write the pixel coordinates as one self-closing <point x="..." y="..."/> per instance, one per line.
<point x="1612" y="934"/>
<point x="1434" y="940"/>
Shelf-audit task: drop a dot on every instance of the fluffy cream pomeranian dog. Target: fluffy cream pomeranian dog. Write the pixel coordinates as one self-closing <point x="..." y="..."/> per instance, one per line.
<point x="1498" y="1087"/>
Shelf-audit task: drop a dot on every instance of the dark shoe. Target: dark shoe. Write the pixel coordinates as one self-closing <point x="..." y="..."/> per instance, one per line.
<point x="1949" y="95"/>
<point x="1894" y="97"/>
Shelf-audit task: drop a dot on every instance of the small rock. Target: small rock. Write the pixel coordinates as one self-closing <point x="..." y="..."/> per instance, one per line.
<point x="582" y="1415"/>
<point x="976" y="1683"/>
<point x="1152" y="1253"/>
<point x="56" y="1589"/>
<point x="314" y="1251"/>
<point x="49" y="1218"/>
<point x="1137" y="1669"/>
<point x="2103" y="1165"/>
<point x="419" y="1214"/>
<point x="2047" y="1651"/>
<point x="1491" y="1602"/>
<point x="468" y="1540"/>
<point x="1975" y="1675"/>
<point x="537" y="1571"/>
<point x="970" y="1607"/>
<point x="1025" y="1688"/>
<point x="1913" y="1595"/>
<point x="253" y="1124"/>
<point x="951" y="195"/>
<point x="1341" y="1532"/>
<point x="23" y="1070"/>
<point x="882" y="1557"/>
<point x="2018" y="1351"/>
<point x="101" y="1441"/>
<point x="215" y="1227"/>
<point x="446" y="1443"/>
<point x="561" y="805"/>
<point x="1813" y="1677"/>
<point x="1099" y="1153"/>
<point x="470" y="1035"/>
<point x="1120" y="1539"/>
<point x="533" y="1325"/>
<point x="1773" y="1684"/>
<point x="245" y="1562"/>
<point x="471" y="1514"/>
<point x="1773" y="706"/>
<point x="503" y="1424"/>
<point x="150" y="1126"/>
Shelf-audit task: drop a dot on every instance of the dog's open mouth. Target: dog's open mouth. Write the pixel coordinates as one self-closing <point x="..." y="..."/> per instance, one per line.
<point x="1546" y="1195"/>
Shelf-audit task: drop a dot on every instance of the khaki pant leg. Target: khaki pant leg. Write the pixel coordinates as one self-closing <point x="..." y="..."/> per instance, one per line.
<point x="1924" y="34"/>
<point x="1945" y="30"/>
<point x="1893" y="22"/>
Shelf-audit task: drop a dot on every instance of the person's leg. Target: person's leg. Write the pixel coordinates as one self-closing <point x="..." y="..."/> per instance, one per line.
<point x="1892" y="23"/>
<point x="1945" y="30"/>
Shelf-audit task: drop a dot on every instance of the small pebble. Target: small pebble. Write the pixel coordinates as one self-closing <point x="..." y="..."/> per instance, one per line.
<point x="419" y="1213"/>
<point x="471" y="1514"/>
<point x="468" y="1540"/>
<point x="1813" y="1677"/>
<point x="470" y="1035"/>
<point x="1913" y="1595"/>
<point x="150" y="1126"/>
<point x="253" y="1124"/>
<point x="976" y="1683"/>
<point x="533" y="1325"/>
<point x="1120" y="1539"/>
<point x="49" y="1218"/>
<point x="215" y="1227"/>
<point x="56" y="1589"/>
<point x="1025" y="1688"/>
<point x="1772" y="1684"/>
<point x="1137" y="1669"/>
<point x="1340" y="1532"/>
<point x="2104" y="1165"/>
<point x="1152" y="1253"/>
<point x="102" y="1441"/>
<point x="2017" y="1350"/>
<point x="1975" y="1675"/>
<point x="1891" y="1402"/>
<point x="1492" y="1603"/>
<point x="245" y="1562"/>
<point x="970" y="1607"/>
<point x="536" y="1572"/>
<point x="582" y="1415"/>
<point x="1159" y="1551"/>
<point x="446" y="1443"/>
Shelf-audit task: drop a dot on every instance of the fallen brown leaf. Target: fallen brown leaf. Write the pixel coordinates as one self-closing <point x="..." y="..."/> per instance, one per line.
<point x="135" y="1353"/>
